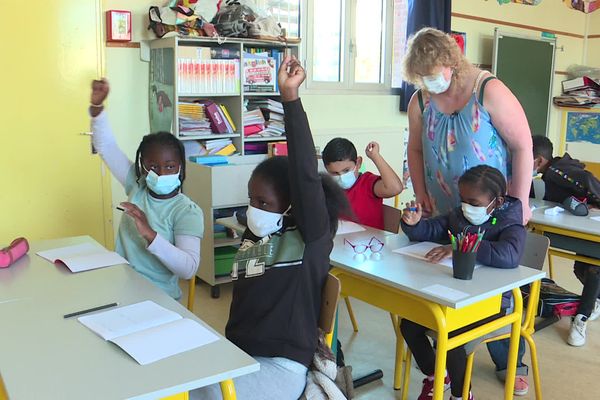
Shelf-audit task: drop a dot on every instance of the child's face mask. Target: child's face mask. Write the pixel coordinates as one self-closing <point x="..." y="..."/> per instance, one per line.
<point x="346" y="180"/>
<point x="263" y="223"/>
<point x="437" y="83"/>
<point x="162" y="184"/>
<point x="476" y="215"/>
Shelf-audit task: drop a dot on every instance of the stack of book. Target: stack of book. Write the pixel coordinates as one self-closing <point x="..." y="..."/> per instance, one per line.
<point x="254" y="122"/>
<point x="205" y="70"/>
<point x="192" y="119"/>
<point x="583" y="92"/>
<point x="260" y="69"/>
<point x="272" y="111"/>
<point x="200" y="117"/>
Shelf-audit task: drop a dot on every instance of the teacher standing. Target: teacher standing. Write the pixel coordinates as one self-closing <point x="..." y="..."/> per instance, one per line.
<point x="462" y="116"/>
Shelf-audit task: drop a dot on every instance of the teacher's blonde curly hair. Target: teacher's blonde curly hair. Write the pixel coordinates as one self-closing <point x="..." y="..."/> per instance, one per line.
<point x="428" y="49"/>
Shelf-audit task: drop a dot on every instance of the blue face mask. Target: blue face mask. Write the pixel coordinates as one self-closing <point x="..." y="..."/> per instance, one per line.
<point x="162" y="184"/>
<point x="347" y="180"/>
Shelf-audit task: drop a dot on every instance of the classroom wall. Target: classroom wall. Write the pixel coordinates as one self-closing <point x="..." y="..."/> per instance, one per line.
<point x="593" y="42"/>
<point x="552" y="16"/>
<point x="361" y="118"/>
<point x="330" y="116"/>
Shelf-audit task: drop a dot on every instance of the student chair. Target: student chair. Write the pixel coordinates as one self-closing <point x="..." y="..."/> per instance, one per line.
<point x="391" y="223"/>
<point x="329" y="302"/>
<point x="3" y="394"/>
<point x="536" y="249"/>
<point x="191" y="293"/>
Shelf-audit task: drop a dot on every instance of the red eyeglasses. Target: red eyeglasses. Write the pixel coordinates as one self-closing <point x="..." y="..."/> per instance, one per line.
<point x="375" y="245"/>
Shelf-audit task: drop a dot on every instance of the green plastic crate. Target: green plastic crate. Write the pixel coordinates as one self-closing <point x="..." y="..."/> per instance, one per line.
<point x="224" y="260"/>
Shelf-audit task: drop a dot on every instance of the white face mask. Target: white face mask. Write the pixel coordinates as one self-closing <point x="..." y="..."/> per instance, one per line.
<point x="475" y="215"/>
<point x="436" y="84"/>
<point x="347" y="180"/>
<point x="263" y="223"/>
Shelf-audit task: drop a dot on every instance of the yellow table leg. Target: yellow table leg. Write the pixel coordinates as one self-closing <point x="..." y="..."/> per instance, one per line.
<point x="513" y="349"/>
<point x="399" y="352"/>
<point x="440" y="361"/>
<point x="228" y="390"/>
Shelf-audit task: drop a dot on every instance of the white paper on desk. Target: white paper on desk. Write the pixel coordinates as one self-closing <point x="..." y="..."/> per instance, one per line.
<point x="419" y="250"/>
<point x="345" y="227"/>
<point x="595" y="218"/>
<point x="165" y="340"/>
<point x="83" y="257"/>
<point x="445" y="292"/>
<point x="554" y="210"/>
<point x="125" y="320"/>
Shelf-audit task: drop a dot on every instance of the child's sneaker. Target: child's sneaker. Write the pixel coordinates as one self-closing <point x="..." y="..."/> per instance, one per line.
<point x="521" y="385"/>
<point x="596" y="312"/>
<point x="470" y="396"/>
<point x="577" y="332"/>
<point x="427" y="391"/>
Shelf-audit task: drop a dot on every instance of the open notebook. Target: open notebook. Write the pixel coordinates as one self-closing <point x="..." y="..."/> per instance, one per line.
<point x="419" y="250"/>
<point x="83" y="257"/>
<point x="148" y="332"/>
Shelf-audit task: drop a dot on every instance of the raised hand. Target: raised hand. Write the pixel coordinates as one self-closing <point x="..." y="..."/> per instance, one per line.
<point x="372" y="150"/>
<point x="290" y="77"/>
<point x="100" y="89"/>
<point x="412" y="214"/>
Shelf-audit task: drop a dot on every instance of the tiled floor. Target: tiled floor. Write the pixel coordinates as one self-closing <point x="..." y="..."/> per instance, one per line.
<point x="567" y="372"/>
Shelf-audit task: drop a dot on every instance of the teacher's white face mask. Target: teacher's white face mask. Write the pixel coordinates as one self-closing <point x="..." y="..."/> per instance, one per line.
<point x="437" y="83"/>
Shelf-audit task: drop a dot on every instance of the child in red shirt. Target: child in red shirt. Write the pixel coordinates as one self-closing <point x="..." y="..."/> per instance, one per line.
<point x="365" y="191"/>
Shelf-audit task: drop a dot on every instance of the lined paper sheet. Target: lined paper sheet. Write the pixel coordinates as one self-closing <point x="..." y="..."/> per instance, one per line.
<point x="419" y="250"/>
<point x="83" y="257"/>
<point x="345" y="227"/>
<point x="125" y="320"/>
<point x="164" y="341"/>
<point x="148" y="332"/>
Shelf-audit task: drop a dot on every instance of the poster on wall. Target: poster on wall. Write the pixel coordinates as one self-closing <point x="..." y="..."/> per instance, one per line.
<point x="583" y="127"/>
<point x="162" y="89"/>
<point x="405" y="172"/>
<point x="585" y="6"/>
<point x="526" y="2"/>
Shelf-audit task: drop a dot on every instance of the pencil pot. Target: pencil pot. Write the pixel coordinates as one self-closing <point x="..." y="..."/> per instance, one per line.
<point x="463" y="264"/>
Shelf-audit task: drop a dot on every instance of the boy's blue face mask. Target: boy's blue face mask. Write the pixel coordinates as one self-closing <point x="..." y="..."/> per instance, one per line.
<point x="162" y="184"/>
<point x="347" y="180"/>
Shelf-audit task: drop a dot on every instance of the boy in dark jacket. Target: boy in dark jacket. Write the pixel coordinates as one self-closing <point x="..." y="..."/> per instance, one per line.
<point x="564" y="177"/>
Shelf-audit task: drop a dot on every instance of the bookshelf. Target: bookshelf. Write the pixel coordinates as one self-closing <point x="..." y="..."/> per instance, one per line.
<point x="166" y="72"/>
<point x="216" y="189"/>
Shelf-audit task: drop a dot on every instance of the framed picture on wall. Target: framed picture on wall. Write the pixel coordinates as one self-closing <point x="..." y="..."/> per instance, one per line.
<point x="118" y="26"/>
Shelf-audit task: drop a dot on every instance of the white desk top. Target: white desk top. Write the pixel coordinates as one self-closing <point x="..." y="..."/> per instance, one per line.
<point x="565" y="219"/>
<point x="44" y="356"/>
<point x="412" y="275"/>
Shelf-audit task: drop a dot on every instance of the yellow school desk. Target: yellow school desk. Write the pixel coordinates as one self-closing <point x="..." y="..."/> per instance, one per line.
<point x="569" y="234"/>
<point x="428" y="295"/>
<point x="44" y="356"/>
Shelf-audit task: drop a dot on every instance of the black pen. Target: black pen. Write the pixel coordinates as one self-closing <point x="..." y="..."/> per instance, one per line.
<point x="120" y="208"/>
<point x="89" y="310"/>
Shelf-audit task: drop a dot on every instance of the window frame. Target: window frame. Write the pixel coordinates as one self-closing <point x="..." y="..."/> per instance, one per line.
<point x="348" y="84"/>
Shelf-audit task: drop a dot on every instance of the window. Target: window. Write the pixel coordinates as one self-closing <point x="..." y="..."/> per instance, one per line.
<point x="286" y="12"/>
<point x="348" y="44"/>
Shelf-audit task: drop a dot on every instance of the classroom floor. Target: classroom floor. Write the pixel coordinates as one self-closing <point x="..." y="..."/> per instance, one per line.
<point x="566" y="372"/>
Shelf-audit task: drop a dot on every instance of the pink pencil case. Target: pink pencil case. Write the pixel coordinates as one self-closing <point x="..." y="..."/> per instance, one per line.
<point x="17" y="249"/>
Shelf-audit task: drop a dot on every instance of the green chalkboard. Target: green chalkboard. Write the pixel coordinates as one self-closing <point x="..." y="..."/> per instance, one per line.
<point x="526" y="66"/>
